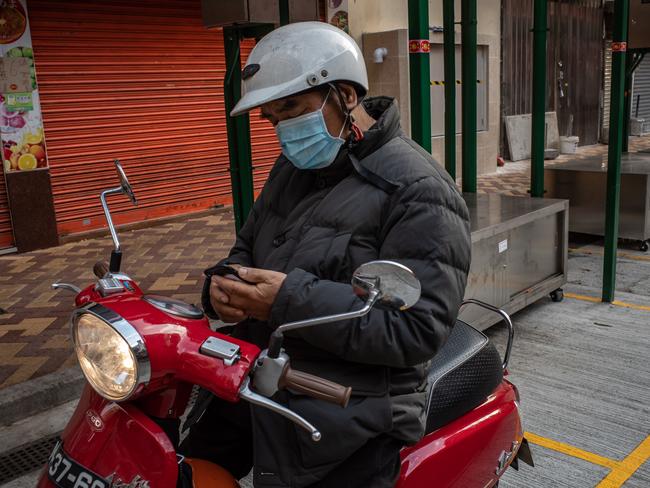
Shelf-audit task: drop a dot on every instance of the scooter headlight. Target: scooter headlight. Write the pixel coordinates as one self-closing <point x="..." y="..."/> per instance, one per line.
<point x="110" y="351"/>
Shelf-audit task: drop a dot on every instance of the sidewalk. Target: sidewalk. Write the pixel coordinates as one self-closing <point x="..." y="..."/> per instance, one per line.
<point x="166" y="259"/>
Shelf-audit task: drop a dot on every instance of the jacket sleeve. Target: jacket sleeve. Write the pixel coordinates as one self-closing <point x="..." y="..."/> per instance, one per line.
<point x="427" y="229"/>
<point x="240" y="253"/>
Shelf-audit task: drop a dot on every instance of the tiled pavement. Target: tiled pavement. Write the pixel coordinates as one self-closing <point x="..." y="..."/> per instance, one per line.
<point x="166" y="259"/>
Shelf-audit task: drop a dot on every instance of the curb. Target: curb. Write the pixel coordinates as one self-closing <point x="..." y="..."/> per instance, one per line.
<point x="34" y="396"/>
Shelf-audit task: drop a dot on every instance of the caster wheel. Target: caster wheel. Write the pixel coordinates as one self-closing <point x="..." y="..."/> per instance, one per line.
<point x="557" y="295"/>
<point x="644" y="246"/>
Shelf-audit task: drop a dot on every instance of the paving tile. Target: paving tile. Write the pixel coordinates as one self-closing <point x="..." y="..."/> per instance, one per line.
<point x="166" y="259"/>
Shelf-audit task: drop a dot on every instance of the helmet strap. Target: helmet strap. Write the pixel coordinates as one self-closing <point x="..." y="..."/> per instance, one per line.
<point x="355" y="129"/>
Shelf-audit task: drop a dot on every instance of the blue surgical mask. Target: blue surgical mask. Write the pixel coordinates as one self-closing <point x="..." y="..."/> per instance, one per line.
<point x="306" y="142"/>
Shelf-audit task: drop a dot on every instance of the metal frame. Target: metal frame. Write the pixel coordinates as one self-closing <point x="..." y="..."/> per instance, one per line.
<point x="621" y="14"/>
<point x="468" y="89"/>
<point x="538" y="142"/>
<point x="418" y="26"/>
<point x="506" y="318"/>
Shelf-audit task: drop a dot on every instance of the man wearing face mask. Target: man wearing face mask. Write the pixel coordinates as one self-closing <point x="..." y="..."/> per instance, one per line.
<point x="348" y="188"/>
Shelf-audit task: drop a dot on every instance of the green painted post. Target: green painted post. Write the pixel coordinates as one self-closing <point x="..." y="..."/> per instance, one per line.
<point x="449" y="40"/>
<point x="468" y="80"/>
<point x="239" y="143"/>
<point x="419" y="70"/>
<point x="538" y="134"/>
<point x="284" y="12"/>
<point x="619" y="47"/>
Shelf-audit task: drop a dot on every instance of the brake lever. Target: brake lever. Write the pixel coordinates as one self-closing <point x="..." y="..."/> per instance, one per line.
<point x="66" y="286"/>
<point x="250" y="396"/>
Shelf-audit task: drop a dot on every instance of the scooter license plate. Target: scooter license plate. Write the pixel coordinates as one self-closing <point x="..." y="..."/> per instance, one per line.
<point x="66" y="473"/>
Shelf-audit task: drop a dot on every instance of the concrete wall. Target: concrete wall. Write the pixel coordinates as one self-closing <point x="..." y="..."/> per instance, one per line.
<point x="384" y="19"/>
<point x="390" y="78"/>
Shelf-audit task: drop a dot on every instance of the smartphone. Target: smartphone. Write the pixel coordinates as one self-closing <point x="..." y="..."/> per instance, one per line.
<point x="225" y="271"/>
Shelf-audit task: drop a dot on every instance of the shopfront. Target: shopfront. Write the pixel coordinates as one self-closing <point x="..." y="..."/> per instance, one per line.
<point x="141" y="82"/>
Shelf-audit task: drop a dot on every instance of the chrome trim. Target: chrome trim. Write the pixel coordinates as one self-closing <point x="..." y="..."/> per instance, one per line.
<point x="107" y="213"/>
<point x="373" y="296"/>
<point x="66" y="286"/>
<point x="128" y="333"/>
<point x="174" y="307"/>
<point x="504" y="316"/>
<point x="250" y="396"/>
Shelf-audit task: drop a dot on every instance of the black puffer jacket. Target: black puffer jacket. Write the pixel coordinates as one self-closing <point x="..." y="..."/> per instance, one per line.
<point x="383" y="198"/>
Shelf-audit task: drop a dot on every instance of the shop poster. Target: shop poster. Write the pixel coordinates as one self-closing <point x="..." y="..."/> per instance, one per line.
<point x="337" y="14"/>
<point x="21" y="122"/>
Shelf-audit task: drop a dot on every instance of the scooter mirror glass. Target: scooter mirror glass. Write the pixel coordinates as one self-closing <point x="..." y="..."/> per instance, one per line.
<point x="398" y="287"/>
<point x="124" y="182"/>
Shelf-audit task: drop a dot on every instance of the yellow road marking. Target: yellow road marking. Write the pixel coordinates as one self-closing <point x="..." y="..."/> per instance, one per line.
<point x="625" y="255"/>
<point x="571" y="451"/>
<point x="627" y="466"/>
<point x="620" y="471"/>
<point x="617" y="303"/>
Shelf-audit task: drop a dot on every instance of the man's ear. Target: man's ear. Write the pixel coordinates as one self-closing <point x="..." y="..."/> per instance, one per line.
<point x="349" y="95"/>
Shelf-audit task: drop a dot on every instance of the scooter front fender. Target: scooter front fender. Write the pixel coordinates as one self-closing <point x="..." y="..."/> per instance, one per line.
<point x="119" y="443"/>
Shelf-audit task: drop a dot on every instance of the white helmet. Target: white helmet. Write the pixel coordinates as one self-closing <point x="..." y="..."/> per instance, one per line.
<point x="297" y="57"/>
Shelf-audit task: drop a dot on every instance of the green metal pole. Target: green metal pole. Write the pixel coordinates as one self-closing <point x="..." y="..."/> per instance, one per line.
<point x="538" y="134"/>
<point x="468" y="80"/>
<point x="239" y="143"/>
<point x="419" y="70"/>
<point x="619" y="47"/>
<point x="449" y="40"/>
<point x="284" y="12"/>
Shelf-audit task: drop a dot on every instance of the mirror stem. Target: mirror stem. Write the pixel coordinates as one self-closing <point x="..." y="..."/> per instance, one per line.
<point x="109" y="220"/>
<point x="275" y="344"/>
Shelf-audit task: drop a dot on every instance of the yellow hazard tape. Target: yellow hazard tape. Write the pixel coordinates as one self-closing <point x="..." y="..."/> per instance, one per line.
<point x="616" y="303"/>
<point x="442" y="82"/>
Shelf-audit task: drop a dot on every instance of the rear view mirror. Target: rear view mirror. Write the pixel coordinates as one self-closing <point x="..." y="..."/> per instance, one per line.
<point x="397" y="286"/>
<point x="124" y="183"/>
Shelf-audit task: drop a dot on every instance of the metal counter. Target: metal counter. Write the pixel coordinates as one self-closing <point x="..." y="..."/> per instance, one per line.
<point x="584" y="184"/>
<point x="519" y="252"/>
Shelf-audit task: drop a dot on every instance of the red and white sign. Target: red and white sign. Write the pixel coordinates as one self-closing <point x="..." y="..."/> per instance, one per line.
<point x="419" y="46"/>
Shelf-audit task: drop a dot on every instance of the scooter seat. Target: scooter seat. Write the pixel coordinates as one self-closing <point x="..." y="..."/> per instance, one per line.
<point x="461" y="376"/>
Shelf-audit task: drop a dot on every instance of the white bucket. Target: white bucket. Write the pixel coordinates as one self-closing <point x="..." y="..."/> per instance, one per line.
<point x="569" y="145"/>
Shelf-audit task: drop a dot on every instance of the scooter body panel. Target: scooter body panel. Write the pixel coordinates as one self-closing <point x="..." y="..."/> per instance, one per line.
<point x="119" y="443"/>
<point x="467" y="451"/>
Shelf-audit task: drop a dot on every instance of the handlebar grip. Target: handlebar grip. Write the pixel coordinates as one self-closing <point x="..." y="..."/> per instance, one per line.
<point x="100" y="269"/>
<point x="314" y="386"/>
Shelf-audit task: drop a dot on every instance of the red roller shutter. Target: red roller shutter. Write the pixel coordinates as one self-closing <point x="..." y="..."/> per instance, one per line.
<point x="6" y="236"/>
<point x="142" y="82"/>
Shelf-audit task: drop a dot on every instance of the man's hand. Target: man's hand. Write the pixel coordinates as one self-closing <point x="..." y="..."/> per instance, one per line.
<point x="239" y="300"/>
<point x="219" y="301"/>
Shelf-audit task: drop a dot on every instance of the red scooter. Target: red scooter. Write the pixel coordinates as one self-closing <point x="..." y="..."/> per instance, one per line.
<point x="142" y="354"/>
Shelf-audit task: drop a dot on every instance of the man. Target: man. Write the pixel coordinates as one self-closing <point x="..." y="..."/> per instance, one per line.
<point x="348" y="188"/>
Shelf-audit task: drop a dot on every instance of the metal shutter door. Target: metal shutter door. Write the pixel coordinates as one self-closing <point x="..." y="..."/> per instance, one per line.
<point x="142" y="82"/>
<point x="607" y="91"/>
<point x="641" y="90"/>
<point x="6" y="235"/>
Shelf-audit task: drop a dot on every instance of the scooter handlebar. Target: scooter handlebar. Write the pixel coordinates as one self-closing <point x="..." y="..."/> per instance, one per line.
<point x="314" y="386"/>
<point x="100" y="269"/>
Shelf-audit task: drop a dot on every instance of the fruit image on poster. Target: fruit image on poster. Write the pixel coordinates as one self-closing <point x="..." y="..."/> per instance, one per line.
<point x="21" y="122"/>
<point x="337" y="14"/>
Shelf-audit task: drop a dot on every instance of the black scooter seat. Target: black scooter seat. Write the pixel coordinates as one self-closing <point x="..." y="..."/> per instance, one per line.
<point x="461" y="376"/>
